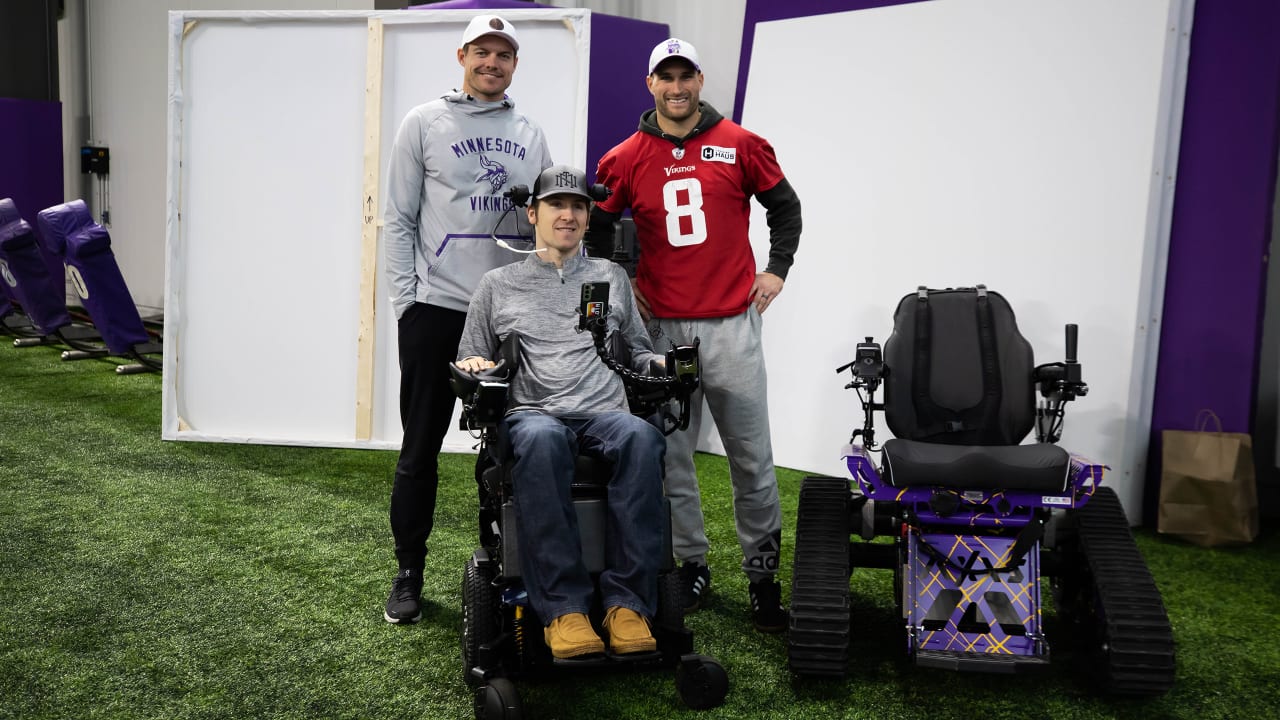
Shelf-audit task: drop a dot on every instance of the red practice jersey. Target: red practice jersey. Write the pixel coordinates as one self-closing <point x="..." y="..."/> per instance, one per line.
<point x="691" y="207"/>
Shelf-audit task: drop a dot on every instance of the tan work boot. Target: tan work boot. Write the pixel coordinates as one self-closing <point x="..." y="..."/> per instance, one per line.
<point x="628" y="631"/>
<point x="571" y="636"/>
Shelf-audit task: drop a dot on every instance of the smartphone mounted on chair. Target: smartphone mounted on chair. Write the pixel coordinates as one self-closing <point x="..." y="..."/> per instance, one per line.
<point x="594" y="305"/>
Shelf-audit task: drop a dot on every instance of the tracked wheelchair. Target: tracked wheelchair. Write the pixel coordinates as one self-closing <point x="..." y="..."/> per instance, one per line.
<point x="501" y="634"/>
<point x="974" y="518"/>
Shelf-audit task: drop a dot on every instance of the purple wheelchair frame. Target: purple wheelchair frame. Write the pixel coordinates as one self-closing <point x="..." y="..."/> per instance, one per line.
<point x="977" y="521"/>
<point x="950" y="567"/>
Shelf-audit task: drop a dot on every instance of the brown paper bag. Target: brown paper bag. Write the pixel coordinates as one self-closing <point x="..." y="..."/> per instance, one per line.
<point x="1208" y="494"/>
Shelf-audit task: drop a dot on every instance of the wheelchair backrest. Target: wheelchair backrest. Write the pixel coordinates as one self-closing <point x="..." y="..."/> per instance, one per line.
<point x="958" y="372"/>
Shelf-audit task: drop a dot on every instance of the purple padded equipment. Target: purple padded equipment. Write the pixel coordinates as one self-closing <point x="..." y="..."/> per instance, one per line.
<point x="69" y="233"/>
<point x="8" y="213"/>
<point x="23" y="271"/>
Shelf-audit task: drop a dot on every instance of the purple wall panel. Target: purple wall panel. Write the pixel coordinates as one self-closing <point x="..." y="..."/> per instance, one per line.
<point x="1215" y="284"/>
<point x="617" y="93"/>
<point x="31" y="159"/>
<point x="620" y="49"/>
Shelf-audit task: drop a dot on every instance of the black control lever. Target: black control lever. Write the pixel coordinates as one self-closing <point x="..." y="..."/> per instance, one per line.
<point x="868" y="371"/>
<point x="1063" y="380"/>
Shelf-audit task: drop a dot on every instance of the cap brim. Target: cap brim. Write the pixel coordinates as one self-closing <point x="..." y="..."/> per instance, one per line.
<point x="495" y="33"/>
<point x="575" y="193"/>
<point x="674" y="58"/>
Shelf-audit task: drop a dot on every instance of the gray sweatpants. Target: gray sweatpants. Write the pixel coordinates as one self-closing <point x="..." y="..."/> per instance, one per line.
<point x="735" y="387"/>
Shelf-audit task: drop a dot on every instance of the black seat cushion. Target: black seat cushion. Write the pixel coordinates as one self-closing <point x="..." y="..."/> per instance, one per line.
<point x="591" y="475"/>
<point x="591" y="471"/>
<point x="1038" y="468"/>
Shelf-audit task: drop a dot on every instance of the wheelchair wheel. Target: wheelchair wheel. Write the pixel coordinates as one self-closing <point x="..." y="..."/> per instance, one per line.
<point x="701" y="682"/>
<point x="670" y="602"/>
<point x="498" y="700"/>
<point x="818" y="643"/>
<point x="1130" y="640"/>
<point x="480" y="623"/>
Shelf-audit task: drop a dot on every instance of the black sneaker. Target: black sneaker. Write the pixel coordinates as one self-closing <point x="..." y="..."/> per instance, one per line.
<point x="695" y="580"/>
<point x="767" y="613"/>
<point x="404" y="605"/>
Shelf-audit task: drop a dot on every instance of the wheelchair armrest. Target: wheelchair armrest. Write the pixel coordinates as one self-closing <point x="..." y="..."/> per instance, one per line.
<point x="465" y="382"/>
<point x="483" y="394"/>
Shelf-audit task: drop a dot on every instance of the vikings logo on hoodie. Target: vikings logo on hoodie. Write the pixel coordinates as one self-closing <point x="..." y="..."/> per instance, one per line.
<point x="494" y="173"/>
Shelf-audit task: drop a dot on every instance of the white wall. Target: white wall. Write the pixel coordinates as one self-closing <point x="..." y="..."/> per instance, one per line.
<point x="127" y="51"/>
<point x="72" y="86"/>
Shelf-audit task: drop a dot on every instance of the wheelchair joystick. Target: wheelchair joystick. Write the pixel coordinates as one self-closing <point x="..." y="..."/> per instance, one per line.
<point x="868" y="372"/>
<point x="1059" y="383"/>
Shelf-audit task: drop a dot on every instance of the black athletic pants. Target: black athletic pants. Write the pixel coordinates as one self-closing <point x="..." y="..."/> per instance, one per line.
<point x="429" y="337"/>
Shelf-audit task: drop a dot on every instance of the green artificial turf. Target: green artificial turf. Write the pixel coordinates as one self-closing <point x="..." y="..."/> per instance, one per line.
<point x="150" y="579"/>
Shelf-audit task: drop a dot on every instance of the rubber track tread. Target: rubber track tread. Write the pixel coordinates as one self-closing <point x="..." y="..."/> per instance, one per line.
<point x="1139" y="659"/>
<point x="818" y="643"/>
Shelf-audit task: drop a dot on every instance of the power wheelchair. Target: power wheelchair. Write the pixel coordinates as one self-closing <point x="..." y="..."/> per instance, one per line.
<point x="501" y="634"/>
<point x="975" y="517"/>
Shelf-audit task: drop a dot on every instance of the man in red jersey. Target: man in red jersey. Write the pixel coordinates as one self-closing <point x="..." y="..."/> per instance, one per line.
<point x="688" y="176"/>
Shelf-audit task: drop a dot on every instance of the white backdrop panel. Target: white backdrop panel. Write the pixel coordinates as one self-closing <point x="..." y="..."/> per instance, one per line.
<point x="1019" y="145"/>
<point x="266" y="136"/>
<point x="268" y="269"/>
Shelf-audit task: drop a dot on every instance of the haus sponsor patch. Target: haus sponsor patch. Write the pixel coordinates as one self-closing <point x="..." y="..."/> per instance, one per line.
<point x="713" y="153"/>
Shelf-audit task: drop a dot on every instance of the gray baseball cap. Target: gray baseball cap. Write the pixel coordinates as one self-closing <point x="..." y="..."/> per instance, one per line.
<point x="562" y="180"/>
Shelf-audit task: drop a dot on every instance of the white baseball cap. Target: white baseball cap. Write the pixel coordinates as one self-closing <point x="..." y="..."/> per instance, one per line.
<point x="482" y="25"/>
<point x="673" y="47"/>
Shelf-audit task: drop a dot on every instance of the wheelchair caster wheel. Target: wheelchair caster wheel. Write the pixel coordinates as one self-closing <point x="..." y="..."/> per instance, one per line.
<point x="701" y="682"/>
<point x="498" y="701"/>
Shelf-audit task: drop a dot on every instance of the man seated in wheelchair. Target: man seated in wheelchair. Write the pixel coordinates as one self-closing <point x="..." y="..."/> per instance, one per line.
<point x="563" y="400"/>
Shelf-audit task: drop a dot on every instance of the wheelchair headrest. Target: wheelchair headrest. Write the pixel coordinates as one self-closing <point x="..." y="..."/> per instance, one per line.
<point x="958" y="371"/>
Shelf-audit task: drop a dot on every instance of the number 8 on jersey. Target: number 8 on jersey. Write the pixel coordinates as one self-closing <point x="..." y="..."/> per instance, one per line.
<point x="692" y="209"/>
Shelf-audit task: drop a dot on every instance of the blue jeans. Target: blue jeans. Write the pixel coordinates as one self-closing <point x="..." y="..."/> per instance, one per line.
<point x="542" y="449"/>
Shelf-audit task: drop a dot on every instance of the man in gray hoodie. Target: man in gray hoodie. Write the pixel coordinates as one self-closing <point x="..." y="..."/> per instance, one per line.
<point x="450" y="164"/>
<point x="564" y="399"/>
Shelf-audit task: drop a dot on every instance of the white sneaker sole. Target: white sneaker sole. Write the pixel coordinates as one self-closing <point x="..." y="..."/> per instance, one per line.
<point x="402" y="621"/>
